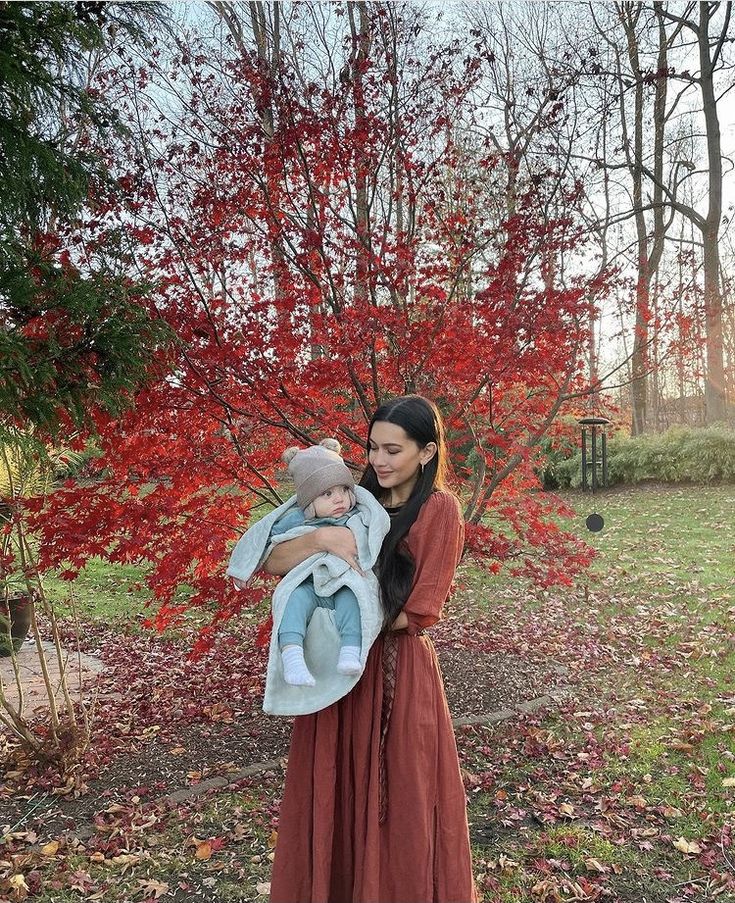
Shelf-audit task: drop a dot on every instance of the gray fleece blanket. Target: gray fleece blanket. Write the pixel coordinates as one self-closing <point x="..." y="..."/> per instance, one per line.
<point x="321" y="645"/>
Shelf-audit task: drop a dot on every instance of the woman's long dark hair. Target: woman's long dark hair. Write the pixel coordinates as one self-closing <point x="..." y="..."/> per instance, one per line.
<point x="422" y="422"/>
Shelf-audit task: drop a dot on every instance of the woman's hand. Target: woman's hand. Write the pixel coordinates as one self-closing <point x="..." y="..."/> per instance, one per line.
<point x="340" y="541"/>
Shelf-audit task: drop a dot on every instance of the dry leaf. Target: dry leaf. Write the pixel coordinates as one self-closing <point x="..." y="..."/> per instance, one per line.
<point x="51" y="848"/>
<point x="116" y="807"/>
<point x="272" y="840"/>
<point x="19" y="887"/>
<point x="153" y="888"/>
<point x="681" y="745"/>
<point x="594" y="865"/>
<point x="204" y="850"/>
<point x="687" y="846"/>
<point x="263" y="888"/>
<point x="671" y="812"/>
<point x="728" y="782"/>
<point x="125" y="859"/>
<point x="566" y="809"/>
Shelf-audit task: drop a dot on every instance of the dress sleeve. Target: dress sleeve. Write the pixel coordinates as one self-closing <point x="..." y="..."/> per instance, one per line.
<point x="435" y="541"/>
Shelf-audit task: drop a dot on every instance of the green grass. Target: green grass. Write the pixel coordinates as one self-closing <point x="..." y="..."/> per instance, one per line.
<point x="659" y="544"/>
<point x="577" y="844"/>
<point x="114" y="594"/>
<point x="102" y="591"/>
<point x="664" y="538"/>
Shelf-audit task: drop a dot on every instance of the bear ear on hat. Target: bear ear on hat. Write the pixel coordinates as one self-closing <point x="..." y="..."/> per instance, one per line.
<point x="289" y="454"/>
<point x="331" y="444"/>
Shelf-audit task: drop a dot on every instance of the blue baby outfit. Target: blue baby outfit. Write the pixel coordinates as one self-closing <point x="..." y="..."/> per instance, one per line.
<point x="304" y="600"/>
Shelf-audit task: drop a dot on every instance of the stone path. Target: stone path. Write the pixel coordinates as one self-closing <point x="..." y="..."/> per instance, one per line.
<point x="29" y="666"/>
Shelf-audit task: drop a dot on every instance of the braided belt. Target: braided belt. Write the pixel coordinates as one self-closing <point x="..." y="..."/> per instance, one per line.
<point x="390" y="668"/>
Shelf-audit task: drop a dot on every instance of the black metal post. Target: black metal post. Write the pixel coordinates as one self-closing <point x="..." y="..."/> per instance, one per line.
<point x="598" y="479"/>
<point x="594" y="459"/>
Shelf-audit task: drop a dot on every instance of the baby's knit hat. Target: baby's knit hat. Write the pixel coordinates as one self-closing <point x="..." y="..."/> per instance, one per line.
<point x="316" y="469"/>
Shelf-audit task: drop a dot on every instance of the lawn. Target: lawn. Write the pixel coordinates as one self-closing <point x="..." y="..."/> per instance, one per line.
<point x="623" y="791"/>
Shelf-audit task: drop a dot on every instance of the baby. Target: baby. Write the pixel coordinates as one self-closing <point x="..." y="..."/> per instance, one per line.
<point x="325" y="495"/>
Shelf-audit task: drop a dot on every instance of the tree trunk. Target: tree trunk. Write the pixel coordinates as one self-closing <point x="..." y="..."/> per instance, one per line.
<point x="714" y="388"/>
<point x="360" y="51"/>
<point x="710" y="48"/>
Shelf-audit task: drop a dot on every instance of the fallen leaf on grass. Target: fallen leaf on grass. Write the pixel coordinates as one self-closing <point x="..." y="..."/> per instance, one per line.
<point x="594" y="865"/>
<point x="547" y="890"/>
<point x="728" y="782"/>
<point x="506" y="863"/>
<point x="154" y="889"/>
<point x="671" y="812"/>
<point x="18" y="887"/>
<point x="273" y="838"/>
<point x="125" y="860"/>
<point x="144" y="825"/>
<point x="687" y="846"/>
<point x="567" y="809"/>
<point x="204" y="851"/>
<point x="82" y="881"/>
<point x="263" y="888"/>
<point x="51" y="848"/>
<point x="681" y="746"/>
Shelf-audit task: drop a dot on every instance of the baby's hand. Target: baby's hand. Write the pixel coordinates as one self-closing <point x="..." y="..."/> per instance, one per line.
<point x="239" y="584"/>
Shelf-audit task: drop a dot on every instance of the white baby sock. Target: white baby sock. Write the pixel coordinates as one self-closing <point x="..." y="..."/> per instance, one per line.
<point x="349" y="660"/>
<point x="295" y="671"/>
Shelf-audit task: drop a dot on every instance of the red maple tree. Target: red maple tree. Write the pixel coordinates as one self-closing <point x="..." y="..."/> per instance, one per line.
<point x="319" y="243"/>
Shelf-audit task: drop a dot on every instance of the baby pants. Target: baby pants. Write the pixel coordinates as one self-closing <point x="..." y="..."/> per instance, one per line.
<point x="302" y="604"/>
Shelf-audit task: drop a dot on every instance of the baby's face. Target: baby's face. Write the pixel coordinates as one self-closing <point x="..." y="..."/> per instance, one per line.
<point x="333" y="503"/>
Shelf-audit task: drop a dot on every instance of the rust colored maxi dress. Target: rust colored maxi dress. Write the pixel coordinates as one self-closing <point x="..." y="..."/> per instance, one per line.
<point x="371" y="820"/>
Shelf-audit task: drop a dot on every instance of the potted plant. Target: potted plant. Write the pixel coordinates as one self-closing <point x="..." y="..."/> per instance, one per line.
<point x="27" y="469"/>
<point x="16" y="614"/>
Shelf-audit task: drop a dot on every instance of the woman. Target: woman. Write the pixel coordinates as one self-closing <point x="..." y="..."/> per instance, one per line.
<point x="374" y="808"/>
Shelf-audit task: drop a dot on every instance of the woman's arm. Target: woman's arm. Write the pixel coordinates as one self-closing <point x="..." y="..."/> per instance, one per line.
<point x="436" y="544"/>
<point x="340" y="541"/>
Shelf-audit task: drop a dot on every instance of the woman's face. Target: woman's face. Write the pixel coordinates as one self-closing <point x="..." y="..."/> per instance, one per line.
<point x="396" y="459"/>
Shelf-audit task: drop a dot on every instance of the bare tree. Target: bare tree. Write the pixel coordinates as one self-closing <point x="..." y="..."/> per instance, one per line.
<point x="649" y="247"/>
<point x="700" y="20"/>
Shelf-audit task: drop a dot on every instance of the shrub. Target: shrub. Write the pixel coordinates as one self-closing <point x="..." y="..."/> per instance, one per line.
<point x="680" y="455"/>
